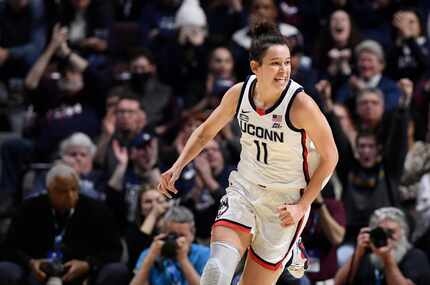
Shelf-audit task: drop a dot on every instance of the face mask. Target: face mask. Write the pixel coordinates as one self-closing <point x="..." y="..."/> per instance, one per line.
<point x="138" y="81"/>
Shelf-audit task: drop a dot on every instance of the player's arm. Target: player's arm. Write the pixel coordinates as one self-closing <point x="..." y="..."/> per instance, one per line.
<point x="198" y="139"/>
<point x="306" y="115"/>
<point x="209" y="128"/>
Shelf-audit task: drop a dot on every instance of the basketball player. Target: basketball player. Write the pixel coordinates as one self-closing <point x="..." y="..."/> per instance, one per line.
<point x="288" y="154"/>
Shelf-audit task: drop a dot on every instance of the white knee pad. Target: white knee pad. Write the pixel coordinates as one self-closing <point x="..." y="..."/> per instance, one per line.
<point x="221" y="265"/>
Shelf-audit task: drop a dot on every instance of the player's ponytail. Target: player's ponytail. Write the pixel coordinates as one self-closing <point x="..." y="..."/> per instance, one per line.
<point x="264" y="34"/>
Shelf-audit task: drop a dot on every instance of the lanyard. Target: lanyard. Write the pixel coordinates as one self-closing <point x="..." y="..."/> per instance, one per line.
<point x="172" y="272"/>
<point x="59" y="232"/>
<point x="378" y="277"/>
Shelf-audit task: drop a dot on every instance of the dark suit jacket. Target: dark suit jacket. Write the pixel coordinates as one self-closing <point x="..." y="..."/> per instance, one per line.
<point x="90" y="233"/>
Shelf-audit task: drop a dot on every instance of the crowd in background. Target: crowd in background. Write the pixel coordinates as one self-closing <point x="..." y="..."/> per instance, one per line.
<point x="99" y="97"/>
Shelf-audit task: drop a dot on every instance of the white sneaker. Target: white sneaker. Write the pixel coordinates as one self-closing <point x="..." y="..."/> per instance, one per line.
<point x="299" y="262"/>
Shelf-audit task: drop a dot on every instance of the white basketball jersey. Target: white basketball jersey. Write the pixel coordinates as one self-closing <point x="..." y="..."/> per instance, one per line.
<point x="273" y="150"/>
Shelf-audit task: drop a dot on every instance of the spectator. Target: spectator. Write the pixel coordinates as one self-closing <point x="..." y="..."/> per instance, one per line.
<point x="127" y="10"/>
<point x="327" y="220"/>
<point x="63" y="106"/>
<point x="78" y="151"/>
<point x="374" y="19"/>
<point x="415" y="190"/>
<point x="137" y="166"/>
<point x="259" y="10"/>
<point x="211" y="182"/>
<point x="371" y="178"/>
<point x="184" y="265"/>
<point x="370" y="67"/>
<point x="22" y="36"/>
<point x="157" y="22"/>
<point x="390" y="259"/>
<point x="219" y="79"/>
<point x="89" y="23"/>
<point x="186" y="60"/>
<point x="128" y="122"/>
<point x="342" y="113"/>
<point x="72" y="101"/>
<point x="66" y="228"/>
<point x="302" y="72"/>
<point x="369" y="110"/>
<point x="224" y="18"/>
<point x="144" y="83"/>
<point x="170" y="151"/>
<point x="409" y="56"/>
<point x="334" y="52"/>
<point x="149" y="218"/>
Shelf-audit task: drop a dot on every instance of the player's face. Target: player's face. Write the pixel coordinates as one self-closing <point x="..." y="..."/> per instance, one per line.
<point x="275" y="68"/>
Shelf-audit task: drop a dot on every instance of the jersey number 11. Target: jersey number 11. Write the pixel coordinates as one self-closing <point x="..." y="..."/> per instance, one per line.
<point x="261" y="147"/>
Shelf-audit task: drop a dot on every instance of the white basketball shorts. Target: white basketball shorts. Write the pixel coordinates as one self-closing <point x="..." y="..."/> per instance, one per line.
<point x="252" y="209"/>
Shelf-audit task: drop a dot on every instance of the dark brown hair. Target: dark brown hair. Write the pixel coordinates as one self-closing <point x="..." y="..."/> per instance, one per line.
<point x="264" y="35"/>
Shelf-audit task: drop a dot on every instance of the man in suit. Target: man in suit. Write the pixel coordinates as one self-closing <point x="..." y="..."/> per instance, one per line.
<point x="63" y="228"/>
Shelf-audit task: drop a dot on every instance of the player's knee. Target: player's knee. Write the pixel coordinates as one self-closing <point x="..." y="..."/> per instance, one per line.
<point x="219" y="269"/>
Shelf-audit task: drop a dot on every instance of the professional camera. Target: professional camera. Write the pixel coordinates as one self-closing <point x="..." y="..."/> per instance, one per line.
<point x="170" y="246"/>
<point x="54" y="271"/>
<point x="379" y="236"/>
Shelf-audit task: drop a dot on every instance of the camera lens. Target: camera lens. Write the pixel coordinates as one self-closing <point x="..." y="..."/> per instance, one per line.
<point x="379" y="237"/>
<point x="170" y="246"/>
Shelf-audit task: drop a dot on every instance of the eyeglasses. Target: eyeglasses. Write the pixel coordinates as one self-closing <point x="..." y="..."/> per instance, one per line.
<point x="125" y="112"/>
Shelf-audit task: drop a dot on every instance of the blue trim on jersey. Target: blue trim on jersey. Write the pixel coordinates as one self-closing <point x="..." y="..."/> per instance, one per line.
<point x="242" y="90"/>
<point x="287" y="113"/>
<point x="277" y="103"/>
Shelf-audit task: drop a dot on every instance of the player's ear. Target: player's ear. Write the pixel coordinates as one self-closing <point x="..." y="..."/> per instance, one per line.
<point x="254" y="65"/>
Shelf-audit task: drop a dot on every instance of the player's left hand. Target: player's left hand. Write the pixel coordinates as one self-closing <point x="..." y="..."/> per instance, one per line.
<point x="290" y="214"/>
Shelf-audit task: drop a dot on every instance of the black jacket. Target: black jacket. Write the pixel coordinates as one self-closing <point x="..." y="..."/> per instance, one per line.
<point x="90" y="233"/>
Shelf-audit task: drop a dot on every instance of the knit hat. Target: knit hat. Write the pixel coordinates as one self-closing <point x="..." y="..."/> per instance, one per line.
<point x="190" y="14"/>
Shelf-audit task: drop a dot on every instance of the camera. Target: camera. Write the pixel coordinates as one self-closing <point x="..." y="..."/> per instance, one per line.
<point x="170" y="246"/>
<point x="379" y="236"/>
<point x="54" y="270"/>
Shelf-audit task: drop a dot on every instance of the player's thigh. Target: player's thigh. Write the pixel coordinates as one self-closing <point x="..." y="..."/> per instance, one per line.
<point x="238" y="239"/>
<point x="254" y="273"/>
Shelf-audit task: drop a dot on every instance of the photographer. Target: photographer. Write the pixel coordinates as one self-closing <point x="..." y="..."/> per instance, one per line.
<point x="63" y="237"/>
<point x="172" y="257"/>
<point x="384" y="255"/>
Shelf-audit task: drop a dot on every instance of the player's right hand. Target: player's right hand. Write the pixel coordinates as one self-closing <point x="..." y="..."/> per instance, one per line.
<point x="167" y="182"/>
